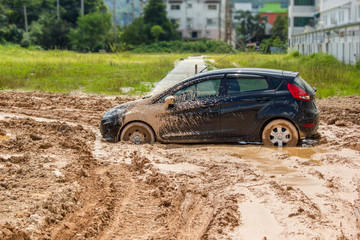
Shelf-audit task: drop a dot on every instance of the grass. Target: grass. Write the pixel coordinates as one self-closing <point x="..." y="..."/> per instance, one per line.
<point x="65" y="71"/>
<point x="328" y="75"/>
<point x="130" y="73"/>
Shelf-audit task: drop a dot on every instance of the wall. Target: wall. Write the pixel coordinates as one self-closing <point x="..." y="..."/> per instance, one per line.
<point x="342" y="42"/>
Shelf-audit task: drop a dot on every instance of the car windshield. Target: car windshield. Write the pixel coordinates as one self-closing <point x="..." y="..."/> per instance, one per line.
<point x="164" y="85"/>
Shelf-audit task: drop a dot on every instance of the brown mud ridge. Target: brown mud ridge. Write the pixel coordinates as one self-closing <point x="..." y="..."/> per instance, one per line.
<point x="59" y="180"/>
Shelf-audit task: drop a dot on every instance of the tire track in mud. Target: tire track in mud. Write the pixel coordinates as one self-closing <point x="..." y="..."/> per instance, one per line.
<point x="124" y="191"/>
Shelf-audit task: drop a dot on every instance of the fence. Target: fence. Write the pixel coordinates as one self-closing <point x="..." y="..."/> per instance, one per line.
<point x="343" y="42"/>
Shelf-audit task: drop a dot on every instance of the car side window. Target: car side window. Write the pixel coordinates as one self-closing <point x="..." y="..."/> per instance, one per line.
<point x="208" y="88"/>
<point x="186" y="94"/>
<point x="204" y="89"/>
<point x="239" y="85"/>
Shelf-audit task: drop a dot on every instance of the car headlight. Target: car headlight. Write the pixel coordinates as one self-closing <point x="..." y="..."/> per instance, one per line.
<point x="113" y="112"/>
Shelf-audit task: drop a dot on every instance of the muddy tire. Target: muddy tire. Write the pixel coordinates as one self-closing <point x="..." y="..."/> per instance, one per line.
<point x="280" y="133"/>
<point x="138" y="133"/>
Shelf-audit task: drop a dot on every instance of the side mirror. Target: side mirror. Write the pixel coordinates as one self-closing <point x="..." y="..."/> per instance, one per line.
<point x="169" y="102"/>
<point x="314" y="88"/>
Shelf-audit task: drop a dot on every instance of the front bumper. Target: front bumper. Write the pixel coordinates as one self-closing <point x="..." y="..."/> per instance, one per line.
<point x="109" y="130"/>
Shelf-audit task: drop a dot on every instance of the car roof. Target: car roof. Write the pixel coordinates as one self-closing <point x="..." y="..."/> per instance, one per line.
<point x="256" y="71"/>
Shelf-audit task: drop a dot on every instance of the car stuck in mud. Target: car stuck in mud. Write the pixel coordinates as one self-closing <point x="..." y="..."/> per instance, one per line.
<point x="242" y="104"/>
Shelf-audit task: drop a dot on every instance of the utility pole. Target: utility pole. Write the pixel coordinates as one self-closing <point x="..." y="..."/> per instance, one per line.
<point x="228" y="21"/>
<point x="58" y="9"/>
<point x="133" y="10"/>
<point x="26" y="25"/>
<point x="82" y="8"/>
<point x="114" y="18"/>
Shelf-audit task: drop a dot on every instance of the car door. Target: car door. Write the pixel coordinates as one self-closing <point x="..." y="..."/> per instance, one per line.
<point x="246" y="100"/>
<point x="196" y="112"/>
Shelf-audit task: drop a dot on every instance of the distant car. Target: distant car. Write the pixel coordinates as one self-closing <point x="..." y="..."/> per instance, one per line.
<point x="241" y="104"/>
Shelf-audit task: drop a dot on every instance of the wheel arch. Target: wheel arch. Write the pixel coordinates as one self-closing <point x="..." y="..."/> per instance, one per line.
<point x="135" y="121"/>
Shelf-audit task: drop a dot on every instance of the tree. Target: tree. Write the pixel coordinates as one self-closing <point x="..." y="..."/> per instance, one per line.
<point x="47" y="30"/>
<point x="154" y="15"/>
<point x="156" y="31"/>
<point x="280" y="28"/>
<point x="92" y="32"/>
<point x="250" y="26"/>
<point x="136" y="33"/>
<point x="71" y="9"/>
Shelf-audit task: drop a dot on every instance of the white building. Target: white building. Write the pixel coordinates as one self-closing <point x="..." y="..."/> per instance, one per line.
<point x="301" y="13"/>
<point x="198" y="19"/>
<point x="339" y="12"/>
<point x="334" y="28"/>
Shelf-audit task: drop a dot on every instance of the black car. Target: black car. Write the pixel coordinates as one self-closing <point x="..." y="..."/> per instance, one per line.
<point x="241" y="104"/>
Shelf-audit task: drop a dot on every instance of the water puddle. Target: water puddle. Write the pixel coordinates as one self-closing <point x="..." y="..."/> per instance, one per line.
<point x="6" y="137"/>
<point x="279" y="163"/>
<point x="303" y="152"/>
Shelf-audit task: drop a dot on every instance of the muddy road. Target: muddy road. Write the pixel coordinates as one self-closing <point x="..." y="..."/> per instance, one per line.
<point x="59" y="180"/>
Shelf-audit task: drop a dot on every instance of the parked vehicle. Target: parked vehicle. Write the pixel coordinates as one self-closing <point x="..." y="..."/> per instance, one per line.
<point x="227" y="105"/>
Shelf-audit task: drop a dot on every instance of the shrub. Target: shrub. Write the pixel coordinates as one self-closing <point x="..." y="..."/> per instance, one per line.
<point x="357" y="65"/>
<point x="203" y="46"/>
<point x="294" y="54"/>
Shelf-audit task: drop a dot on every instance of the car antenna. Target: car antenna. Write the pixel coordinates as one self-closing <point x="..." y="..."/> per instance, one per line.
<point x="217" y="60"/>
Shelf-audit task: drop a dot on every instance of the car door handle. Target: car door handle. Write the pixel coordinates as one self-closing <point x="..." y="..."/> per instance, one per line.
<point x="262" y="99"/>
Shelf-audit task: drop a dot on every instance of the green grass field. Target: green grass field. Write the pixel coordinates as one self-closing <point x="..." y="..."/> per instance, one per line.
<point x="329" y="76"/>
<point x="130" y="73"/>
<point x="65" y="71"/>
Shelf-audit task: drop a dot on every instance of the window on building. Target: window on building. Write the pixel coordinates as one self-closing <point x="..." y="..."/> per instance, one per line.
<point x="304" y="2"/>
<point x="359" y="12"/>
<point x="195" y="34"/>
<point x="325" y="19"/>
<point x="175" y="7"/>
<point x="175" y="21"/>
<point x="189" y="20"/>
<point x="333" y="19"/>
<point x="189" y="5"/>
<point x="341" y="17"/>
<point x="211" y="21"/>
<point x="212" y="7"/>
<point x="302" y="21"/>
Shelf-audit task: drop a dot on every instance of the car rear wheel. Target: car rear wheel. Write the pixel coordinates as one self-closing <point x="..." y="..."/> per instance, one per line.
<point x="280" y="133"/>
<point x="138" y="133"/>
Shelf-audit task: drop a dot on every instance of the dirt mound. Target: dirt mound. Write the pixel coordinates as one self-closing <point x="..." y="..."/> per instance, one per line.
<point x="343" y="111"/>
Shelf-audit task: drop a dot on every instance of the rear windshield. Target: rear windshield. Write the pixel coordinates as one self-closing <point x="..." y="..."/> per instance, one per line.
<point x="304" y="85"/>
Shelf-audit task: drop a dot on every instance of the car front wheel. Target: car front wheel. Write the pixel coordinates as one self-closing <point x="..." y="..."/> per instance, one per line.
<point x="280" y="133"/>
<point x="138" y="133"/>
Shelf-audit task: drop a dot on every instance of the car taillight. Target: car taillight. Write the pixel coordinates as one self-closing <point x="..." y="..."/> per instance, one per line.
<point x="298" y="93"/>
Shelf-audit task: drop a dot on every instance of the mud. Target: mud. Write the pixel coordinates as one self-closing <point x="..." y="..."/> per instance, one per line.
<point x="59" y="180"/>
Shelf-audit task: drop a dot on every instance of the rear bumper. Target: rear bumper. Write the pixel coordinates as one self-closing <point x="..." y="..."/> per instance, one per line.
<point x="309" y="127"/>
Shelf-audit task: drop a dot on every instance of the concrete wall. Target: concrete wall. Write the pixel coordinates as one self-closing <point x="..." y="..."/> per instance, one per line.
<point x="342" y="42"/>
